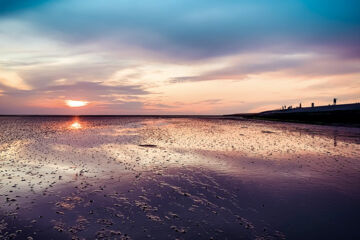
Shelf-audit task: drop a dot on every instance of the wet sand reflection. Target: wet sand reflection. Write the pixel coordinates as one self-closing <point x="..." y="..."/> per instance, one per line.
<point x="136" y="178"/>
<point x="75" y="125"/>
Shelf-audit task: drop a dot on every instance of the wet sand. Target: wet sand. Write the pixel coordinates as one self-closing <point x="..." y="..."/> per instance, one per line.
<point x="181" y="178"/>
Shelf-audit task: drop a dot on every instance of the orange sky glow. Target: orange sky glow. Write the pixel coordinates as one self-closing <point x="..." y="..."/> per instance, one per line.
<point x="206" y="57"/>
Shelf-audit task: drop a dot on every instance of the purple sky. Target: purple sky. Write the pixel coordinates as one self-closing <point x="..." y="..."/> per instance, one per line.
<point x="176" y="57"/>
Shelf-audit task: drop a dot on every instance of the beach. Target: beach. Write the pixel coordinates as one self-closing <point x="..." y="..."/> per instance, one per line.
<point x="177" y="178"/>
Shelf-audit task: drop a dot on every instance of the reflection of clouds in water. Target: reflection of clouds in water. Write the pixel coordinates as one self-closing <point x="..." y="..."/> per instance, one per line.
<point x="227" y="147"/>
<point x="146" y="164"/>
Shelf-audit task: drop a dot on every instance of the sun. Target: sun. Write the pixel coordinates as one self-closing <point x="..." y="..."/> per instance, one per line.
<point x="72" y="103"/>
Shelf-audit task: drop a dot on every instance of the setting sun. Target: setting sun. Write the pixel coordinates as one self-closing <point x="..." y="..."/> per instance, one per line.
<point x="72" y="103"/>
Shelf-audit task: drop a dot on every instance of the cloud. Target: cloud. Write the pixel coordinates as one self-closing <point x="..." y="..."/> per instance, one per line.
<point x="13" y="80"/>
<point x="293" y="65"/>
<point x="94" y="89"/>
<point x="240" y="71"/>
<point x="51" y="99"/>
<point x="204" y="28"/>
<point x="87" y="90"/>
<point x="119" y="53"/>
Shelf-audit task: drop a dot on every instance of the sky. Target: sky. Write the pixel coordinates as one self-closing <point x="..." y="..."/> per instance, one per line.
<point x="176" y="57"/>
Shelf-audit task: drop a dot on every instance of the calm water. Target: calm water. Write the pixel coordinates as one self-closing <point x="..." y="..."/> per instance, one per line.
<point x="138" y="178"/>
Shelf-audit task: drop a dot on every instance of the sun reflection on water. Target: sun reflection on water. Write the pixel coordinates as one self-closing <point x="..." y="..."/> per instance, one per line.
<point x="77" y="164"/>
<point x="75" y="125"/>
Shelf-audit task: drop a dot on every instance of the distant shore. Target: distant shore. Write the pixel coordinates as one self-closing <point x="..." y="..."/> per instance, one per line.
<point x="343" y="115"/>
